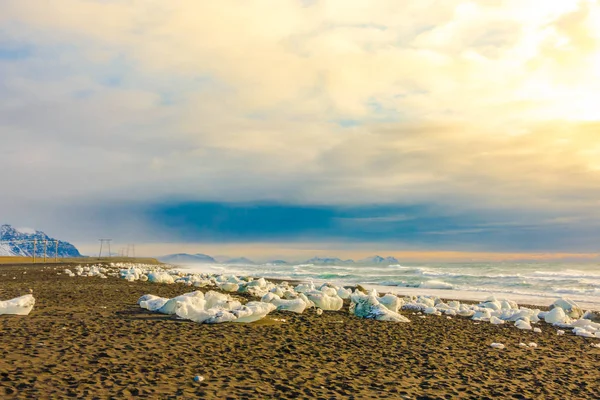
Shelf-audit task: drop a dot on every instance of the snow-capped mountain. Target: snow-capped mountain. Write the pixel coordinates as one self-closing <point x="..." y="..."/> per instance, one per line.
<point x="328" y="261"/>
<point x="20" y="242"/>
<point x="379" y="260"/>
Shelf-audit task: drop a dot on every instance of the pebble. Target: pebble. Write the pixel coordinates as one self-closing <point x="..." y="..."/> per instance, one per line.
<point x="198" y="378"/>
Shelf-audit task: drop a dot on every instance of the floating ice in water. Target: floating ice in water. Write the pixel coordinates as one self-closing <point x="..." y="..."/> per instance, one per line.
<point x="368" y="306"/>
<point x="497" y="345"/>
<point x="17" y="306"/>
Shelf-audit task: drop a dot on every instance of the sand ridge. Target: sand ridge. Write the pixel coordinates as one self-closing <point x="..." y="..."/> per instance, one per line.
<point x="87" y="338"/>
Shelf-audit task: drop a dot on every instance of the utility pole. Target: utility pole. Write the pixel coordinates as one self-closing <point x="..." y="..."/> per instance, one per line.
<point x="45" y="248"/>
<point x="56" y="251"/>
<point x="34" y="244"/>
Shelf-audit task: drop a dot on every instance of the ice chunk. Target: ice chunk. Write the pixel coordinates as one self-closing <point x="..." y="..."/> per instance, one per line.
<point x="229" y="287"/>
<point x="160" y="277"/>
<point x="570" y="308"/>
<point x="194" y="298"/>
<point x="344" y="293"/>
<point x="583" y="332"/>
<point x="294" y="305"/>
<point x="305" y="287"/>
<point x="537" y="330"/>
<point x="522" y="324"/>
<point x="482" y="315"/>
<point x="391" y="302"/>
<point x="152" y="303"/>
<point x="218" y="308"/>
<point x="496" y="321"/>
<point x="430" y="310"/>
<point x="497" y="345"/>
<point x="556" y="316"/>
<point x="368" y="306"/>
<point x="278" y="291"/>
<point x="325" y="301"/>
<point x="592" y="316"/>
<point x="17" y="306"/>
<point x="252" y="311"/>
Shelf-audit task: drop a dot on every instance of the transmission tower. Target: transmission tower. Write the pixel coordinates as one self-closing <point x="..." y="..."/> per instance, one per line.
<point x="102" y="242"/>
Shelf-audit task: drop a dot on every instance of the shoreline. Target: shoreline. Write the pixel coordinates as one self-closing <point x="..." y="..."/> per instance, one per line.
<point x="448" y="294"/>
<point x="86" y="337"/>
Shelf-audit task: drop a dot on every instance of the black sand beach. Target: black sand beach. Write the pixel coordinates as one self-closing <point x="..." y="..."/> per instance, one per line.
<point x="87" y="338"/>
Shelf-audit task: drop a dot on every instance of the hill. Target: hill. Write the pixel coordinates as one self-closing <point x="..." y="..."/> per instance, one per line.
<point x="21" y="242"/>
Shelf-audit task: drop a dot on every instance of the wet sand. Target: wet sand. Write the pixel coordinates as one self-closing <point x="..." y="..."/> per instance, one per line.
<point x="87" y="338"/>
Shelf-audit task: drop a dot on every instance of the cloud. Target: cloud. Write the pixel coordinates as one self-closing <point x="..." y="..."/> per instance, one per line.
<point x="456" y="105"/>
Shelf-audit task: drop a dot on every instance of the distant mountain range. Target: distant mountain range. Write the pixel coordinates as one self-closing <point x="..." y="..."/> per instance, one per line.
<point x="184" y="258"/>
<point x="20" y="242"/>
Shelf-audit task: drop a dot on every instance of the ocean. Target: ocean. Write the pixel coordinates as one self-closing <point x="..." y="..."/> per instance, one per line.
<point x="528" y="283"/>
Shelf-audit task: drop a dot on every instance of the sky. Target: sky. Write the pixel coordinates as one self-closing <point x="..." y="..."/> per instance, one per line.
<point x="336" y="126"/>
